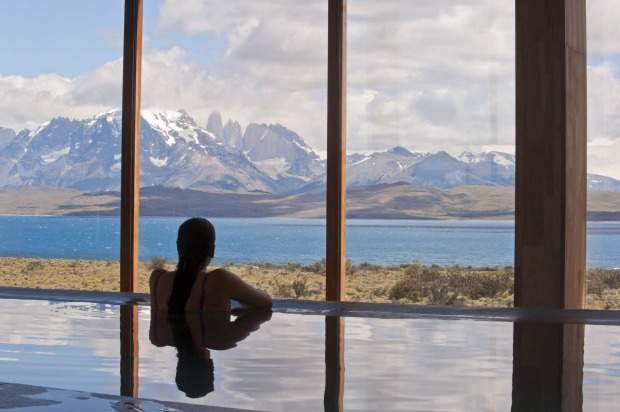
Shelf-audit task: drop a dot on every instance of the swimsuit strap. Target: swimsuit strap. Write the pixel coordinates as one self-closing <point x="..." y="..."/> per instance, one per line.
<point x="202" y="294"/>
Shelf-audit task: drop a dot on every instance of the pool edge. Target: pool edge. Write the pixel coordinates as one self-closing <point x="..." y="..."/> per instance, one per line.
<point x="349" y="309"/>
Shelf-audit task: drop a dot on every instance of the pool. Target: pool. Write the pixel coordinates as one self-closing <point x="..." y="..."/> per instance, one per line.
<point x="308" y="361"/>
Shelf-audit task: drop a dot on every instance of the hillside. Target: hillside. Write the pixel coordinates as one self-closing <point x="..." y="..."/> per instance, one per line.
<point x="383" y="201"/>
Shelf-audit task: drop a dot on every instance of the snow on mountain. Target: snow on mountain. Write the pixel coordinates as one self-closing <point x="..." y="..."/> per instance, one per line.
<point x="175" y="151"/>
<point x="503" y="159"/>
<point x="598" y="183"/>
<point x="381" y="167"/>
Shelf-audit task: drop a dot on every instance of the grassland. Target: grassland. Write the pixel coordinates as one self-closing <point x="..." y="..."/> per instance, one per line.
<point x="406" y="284"/>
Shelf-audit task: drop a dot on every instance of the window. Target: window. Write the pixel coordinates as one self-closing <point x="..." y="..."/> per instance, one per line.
<point x="60" y="143"/>
<point x="430" y="152"/>
<point x="603" y="147"/>
<point x="233" y="129"/>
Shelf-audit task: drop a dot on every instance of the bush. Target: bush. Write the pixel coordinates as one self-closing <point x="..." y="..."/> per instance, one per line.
<point x="282" y="290"/>
<point x="293" y="266"/>
<point x="600" y="279"/>
<point x="369" y="267"/>
<point x="34" y="265"/>
<point x="317" y="267"/>
<point x="157" y="262"/>
<point x="452" y="285"/>
<point x="422" y="283"/>
<point x="300" y="286"/>
<point x="483" y="285"/>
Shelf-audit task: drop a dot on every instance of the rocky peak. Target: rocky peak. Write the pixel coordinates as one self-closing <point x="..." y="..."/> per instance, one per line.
<point x="233" y="135"/>
<point x="214" y="125"/>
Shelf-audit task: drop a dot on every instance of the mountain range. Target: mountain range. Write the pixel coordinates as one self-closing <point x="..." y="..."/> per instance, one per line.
<point x="176" y="152"/>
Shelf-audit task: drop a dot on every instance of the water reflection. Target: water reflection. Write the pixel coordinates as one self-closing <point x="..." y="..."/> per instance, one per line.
<point x="194" y="335"/>
<point x="334" y="364"/>
<point x="548" y="362"/>
<point x="314" y="362"/>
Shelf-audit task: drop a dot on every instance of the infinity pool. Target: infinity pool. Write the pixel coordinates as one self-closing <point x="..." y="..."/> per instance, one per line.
<point x="307" y="362"/>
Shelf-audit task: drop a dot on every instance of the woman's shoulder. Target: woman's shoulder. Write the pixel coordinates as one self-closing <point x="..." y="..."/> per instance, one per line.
<point x="219" y="275"/>
<point x="158" y="274"/>
<point x="220" y="272"/>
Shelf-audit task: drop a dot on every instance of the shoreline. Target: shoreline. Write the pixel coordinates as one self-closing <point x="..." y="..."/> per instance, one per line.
<point x="405" y="284"/>
<point x="593" y="216"/>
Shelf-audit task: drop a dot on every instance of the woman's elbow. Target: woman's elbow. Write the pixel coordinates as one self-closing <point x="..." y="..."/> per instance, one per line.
<point x="266" y="301"/>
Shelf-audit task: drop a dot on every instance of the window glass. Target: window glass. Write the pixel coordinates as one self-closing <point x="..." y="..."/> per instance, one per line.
<point x="430" y="146"/>
<point x="603" y="260"/>
<point x="233" y="130"/>
<point x="60" y="88"/>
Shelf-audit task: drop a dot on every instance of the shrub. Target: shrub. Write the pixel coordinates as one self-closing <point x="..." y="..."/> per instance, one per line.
<point x="300" y="286"/>
<point x="317" y="267"/>
<point x="34" y="265"/>
<point x="293" y="266"/>
<point x="349" y="268"/>
<point x="157" y="262"/>
<point x="282" y="290"/>
<point x="600" y="279"/>
<point x="369" y="267"/>
<point x="421" y="283"/>
<point x="262" y="265"/>
<point x="484" y="285"/>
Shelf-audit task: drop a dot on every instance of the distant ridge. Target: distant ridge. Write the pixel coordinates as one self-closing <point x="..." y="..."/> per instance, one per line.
<point x="381" y="201"/>
<point x="85" y="155"/>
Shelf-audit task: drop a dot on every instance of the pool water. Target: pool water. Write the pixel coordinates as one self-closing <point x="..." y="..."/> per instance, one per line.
<point x="303" y="362"/>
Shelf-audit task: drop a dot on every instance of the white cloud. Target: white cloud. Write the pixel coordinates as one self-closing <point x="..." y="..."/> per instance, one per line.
<point x="603" y="29"/>
<point x="426" y="75"/>
<point x="28" y="102"/>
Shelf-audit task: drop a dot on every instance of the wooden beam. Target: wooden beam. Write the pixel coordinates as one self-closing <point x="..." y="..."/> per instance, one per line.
<point x="550" y="200"/>
<point x="336" y="151"/>
<point x="130" y="160"/>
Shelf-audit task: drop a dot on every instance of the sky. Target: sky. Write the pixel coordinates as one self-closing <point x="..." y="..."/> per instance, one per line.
<point x="426" y="75"/>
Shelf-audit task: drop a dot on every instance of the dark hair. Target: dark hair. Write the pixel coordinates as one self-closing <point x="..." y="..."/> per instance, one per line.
<point x="195" y="241"/>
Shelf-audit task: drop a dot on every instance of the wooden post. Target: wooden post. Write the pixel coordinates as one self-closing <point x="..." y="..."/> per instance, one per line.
<point x="130" y="160"/>
<point x="336" y="151"/>
<point x="550" y="203"/>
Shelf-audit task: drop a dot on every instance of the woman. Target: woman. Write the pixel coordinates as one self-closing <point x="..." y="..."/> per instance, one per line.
<point x="189" y="288"/>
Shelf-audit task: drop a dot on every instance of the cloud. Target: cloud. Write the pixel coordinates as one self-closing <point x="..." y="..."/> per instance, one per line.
<point x="28" y="102"/>
<point x="603" y="31"/>
<point x="426" y="75"/>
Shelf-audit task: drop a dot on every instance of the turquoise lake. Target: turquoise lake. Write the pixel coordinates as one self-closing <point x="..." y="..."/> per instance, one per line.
<point x="282" y="241"/>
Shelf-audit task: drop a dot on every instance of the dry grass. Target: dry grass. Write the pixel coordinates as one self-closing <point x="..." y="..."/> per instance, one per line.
<point x="463" y="286"/>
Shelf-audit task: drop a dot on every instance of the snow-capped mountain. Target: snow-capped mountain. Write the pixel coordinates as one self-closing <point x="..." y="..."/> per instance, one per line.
<point x="426" y="169"/>
<point x="276" y="150"/>
<point x="175" y="151"/>
<point x="381" y="167"/>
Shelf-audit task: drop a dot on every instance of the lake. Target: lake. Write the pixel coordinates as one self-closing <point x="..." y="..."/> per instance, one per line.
<point x="282" y="241"/>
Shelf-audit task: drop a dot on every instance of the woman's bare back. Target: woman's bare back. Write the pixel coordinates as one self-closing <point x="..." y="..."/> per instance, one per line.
<point x="211" y="291"/>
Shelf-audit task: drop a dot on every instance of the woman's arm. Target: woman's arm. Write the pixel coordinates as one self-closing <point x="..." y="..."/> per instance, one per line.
<point x="243" y="292"/>
<point x="155" y="275"/>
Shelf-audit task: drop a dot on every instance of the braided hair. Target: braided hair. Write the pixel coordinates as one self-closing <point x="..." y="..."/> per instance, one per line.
<point x="195" y="241"/>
